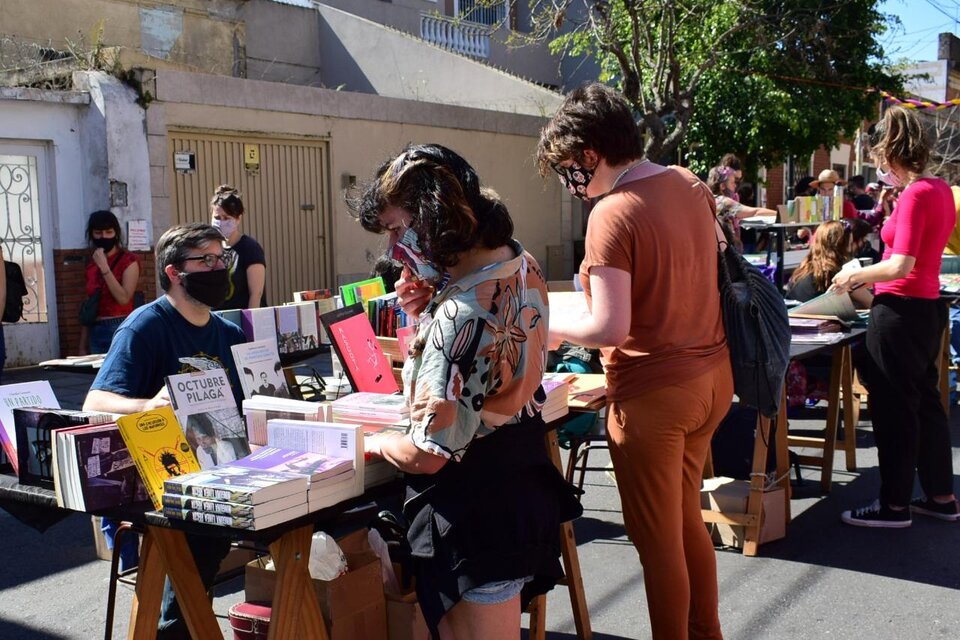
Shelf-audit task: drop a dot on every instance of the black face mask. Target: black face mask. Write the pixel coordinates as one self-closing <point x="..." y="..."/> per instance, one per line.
<point x="207" y="287"/>
<point x="107" y="244"/>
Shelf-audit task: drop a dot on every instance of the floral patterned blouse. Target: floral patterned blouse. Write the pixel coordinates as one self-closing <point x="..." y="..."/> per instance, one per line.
<point x="479" y="356"/>
<point x="727" y="210"/>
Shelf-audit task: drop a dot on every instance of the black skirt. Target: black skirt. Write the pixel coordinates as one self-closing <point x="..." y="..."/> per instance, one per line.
<point x="495" y="515"/>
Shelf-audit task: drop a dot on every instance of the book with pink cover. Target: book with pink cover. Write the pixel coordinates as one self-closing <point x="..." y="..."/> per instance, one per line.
<point x="364" y="362"/>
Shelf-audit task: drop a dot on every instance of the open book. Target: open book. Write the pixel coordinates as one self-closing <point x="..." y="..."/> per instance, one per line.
<point x="829" y="304"/>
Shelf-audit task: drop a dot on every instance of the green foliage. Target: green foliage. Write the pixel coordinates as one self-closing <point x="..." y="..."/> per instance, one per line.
<point x="761" y="78"/>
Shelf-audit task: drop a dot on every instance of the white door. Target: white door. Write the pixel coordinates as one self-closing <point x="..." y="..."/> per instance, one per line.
<point x="26" y="236"/>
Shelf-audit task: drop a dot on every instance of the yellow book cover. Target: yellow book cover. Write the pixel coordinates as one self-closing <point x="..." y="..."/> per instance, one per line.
<point x="158" y="447"/>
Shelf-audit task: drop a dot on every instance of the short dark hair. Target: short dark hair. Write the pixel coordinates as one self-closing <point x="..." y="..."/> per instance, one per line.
<point x="857" y="181"/>
<point x="228" y="199"/>
<point x="595" y="117"/>
<point x="451" y="212"/>
<point x="175" y="244"/>
<point x="101" y="221"/>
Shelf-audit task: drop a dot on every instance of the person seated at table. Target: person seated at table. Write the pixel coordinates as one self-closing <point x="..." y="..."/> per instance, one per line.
<point x="831" y="247"/>
<point x="174" y="334"/>
<point x="824" y="184"/>
<point x="722" y="183"/>
<point x="860" y="246"/>
<point x="484" y="500"/>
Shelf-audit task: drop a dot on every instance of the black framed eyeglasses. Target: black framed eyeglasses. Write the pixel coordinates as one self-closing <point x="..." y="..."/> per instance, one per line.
<point x="228" y="257"/>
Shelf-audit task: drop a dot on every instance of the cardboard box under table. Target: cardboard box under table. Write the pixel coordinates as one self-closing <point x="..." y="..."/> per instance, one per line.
<point x="726" y="495"/>
<point x="353" y="605"/>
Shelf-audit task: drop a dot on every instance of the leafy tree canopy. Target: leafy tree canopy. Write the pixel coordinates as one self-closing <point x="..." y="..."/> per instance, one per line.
<point x="760" y="78"/>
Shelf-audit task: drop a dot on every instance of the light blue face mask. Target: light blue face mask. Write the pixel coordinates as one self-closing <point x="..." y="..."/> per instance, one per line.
<point x="407" y="251"/>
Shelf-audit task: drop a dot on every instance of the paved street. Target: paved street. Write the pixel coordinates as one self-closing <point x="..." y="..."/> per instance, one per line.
<point x="824" y="580"/>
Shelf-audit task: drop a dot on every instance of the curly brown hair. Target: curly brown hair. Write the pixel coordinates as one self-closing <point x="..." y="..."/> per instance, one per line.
<point x="450" y="211"/>
<point x="901" y="138"/>
<point x="228" y="199"/>
<point x="829" y="249"/>
<point x="595" y="117"/>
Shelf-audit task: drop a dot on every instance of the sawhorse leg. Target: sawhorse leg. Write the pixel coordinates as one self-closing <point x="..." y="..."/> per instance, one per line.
<point x="296" y="612"/>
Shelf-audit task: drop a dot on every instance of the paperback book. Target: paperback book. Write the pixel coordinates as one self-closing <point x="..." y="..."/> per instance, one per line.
<point x="231" y="483"/>
<point x="360" y="292"/>
<point x="35" y="429"/>
<point x="316" y="467"/>
<point x="249" y="523"/>
<point x="258" y="409"/>
<point x="258" y="364"/>
<point x="159" y="448"/>
<point x="94" y="469"/>
<point x="361" y="407"/>
<point x="193" y="503"/>
<point x="342" y="441"/>
<point x="21" y="396"/>
<point x="356" y="346"/>
<point x="259" y="324"/>
<point x="207" y="411"/>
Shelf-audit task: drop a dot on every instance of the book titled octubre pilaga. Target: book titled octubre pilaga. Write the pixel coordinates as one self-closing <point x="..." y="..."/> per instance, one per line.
<point x="159" y="448"/>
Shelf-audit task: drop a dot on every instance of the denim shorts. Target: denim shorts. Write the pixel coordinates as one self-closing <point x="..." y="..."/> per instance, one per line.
<point x="495" y="592"/>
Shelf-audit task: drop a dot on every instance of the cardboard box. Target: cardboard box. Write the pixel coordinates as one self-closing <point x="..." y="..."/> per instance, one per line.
<point x="353" y="605"/>
<point x="727" y="495"/>
<point x="404" y="618"/>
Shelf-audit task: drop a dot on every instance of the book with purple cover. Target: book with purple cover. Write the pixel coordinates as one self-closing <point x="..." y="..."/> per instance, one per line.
<point x="315" y="466"/>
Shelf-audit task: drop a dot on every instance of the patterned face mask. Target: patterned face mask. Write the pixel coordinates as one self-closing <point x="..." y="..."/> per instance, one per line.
<point x="575" y="178"/>
<point x="407" y="251"/>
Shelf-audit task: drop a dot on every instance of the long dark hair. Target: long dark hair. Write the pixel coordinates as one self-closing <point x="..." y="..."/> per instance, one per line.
<point x="829" y="249"/>
<point x="451" y="212"/>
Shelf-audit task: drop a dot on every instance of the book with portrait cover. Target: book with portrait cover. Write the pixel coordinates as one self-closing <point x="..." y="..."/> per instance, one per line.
<point x="207" y="412"/>
<point x="259" y="369"/>
<point x="358" y="350"/>
<point x="35" y="429"/>
<point x="23" y="395"/>
<point x="159" y="448"/>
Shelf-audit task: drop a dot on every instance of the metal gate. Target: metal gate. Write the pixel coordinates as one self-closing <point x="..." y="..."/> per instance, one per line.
<point x="284" y="184"/>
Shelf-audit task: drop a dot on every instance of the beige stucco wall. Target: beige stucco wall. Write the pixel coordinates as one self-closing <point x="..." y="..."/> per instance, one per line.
<point x="362" y="131"/>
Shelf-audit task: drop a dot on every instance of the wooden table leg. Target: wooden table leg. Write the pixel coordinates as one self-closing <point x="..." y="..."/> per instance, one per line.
<point x="191" y="594"/>
<point x="147" y="597"/>
<point x="851" y="412"/>
<point x="296" y="610"/>
<point x="758" y="478"/>
<point x="783" y="454"/>
<point x="538" y="618"/>
<point x="840" y="356"/>
<point x="571" y="561"/>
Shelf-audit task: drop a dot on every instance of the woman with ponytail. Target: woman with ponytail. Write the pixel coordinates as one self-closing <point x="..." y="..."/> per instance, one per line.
<point x="484" y="501"/>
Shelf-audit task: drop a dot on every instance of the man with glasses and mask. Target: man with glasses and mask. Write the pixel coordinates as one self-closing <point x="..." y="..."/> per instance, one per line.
<point x="174" y="334"/>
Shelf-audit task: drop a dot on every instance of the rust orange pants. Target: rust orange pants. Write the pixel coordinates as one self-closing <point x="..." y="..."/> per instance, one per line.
<point x="658" y="443"/>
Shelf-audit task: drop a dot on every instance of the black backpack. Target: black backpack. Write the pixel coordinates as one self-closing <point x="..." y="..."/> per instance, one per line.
<point x="16" y="290"/>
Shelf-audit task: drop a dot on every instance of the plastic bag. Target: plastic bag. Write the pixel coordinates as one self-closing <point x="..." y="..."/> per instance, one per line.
<point x="327" y="561"/>
<point x="379" y="545"/>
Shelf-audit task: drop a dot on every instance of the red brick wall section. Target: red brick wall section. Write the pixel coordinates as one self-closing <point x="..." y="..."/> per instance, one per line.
<point x="775" y="186"/>
<point x="71" y="291"/>
<point x="821" y="161"/>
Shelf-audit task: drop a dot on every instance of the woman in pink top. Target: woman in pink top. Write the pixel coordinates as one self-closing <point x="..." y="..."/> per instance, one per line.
<point x="903" y="338"/>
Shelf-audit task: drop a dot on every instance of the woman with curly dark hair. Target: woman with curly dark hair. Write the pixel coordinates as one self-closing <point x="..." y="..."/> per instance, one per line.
<point x="907" y="320"/>
<point x="484" y="501"/>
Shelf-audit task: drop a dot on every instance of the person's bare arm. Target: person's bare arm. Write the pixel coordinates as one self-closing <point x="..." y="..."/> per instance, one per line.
<point x="99" y="400"/>
<point x="256" y="280"/>
<point x="398" y="449"/>
<point x="608" y="322"/>
<point x="898" y="266"/>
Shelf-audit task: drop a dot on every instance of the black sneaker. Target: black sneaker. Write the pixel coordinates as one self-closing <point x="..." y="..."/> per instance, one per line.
<point x="948" y="511"/>
<point x="877" y="515"/>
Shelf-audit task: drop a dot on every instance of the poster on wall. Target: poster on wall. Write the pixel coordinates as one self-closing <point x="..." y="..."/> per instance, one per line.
<point x="138" y="235"/>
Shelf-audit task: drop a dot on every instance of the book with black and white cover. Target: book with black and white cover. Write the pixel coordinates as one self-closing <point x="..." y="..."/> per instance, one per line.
<point x="327" y="438"/>
<point x="35" y="429"/>
<point x="23" y="395"/>
<point x="193" y="503"/>
<point x="95" y="470"/>
<point x="230" y="483"/>
<point x="207" y="412"/>
<point x="259" y="369"/>
<point x="307" y="318"/>
<point x="250" y="523"/>
<point x="258" y="409"/>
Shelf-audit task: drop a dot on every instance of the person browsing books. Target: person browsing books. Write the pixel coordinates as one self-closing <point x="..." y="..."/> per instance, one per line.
<point x="907" y="320"/>
<point x="174" y="334"/>
<point x="112" y="273"/>
<point x="650" y="278"/>
<point x="830" y="248"/>
<point x="472" y="380"/>
<point x="249" y="272"/>
<point x="722" y="182"/>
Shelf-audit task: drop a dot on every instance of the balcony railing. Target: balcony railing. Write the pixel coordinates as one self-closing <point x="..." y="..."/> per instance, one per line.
<point x="457" y="35"/>
<point x="486" y="12"/>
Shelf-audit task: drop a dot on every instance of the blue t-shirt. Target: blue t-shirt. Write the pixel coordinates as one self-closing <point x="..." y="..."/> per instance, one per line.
<point x="155" y="341"/>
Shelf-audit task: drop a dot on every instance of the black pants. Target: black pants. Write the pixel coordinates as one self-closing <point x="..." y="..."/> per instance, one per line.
<point x="909" y="424"/>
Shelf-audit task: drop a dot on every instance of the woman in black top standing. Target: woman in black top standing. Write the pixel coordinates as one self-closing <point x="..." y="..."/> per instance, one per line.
<point x="249" y="272"/>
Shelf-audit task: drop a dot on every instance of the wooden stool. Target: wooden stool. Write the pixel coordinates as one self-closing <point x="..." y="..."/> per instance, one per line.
<point x="571" y="569"/>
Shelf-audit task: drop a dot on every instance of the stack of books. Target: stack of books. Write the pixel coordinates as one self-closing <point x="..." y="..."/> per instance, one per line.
<point x="266" y="488"/>
<point x="259" y="409"/>
<point x="371" y="408"/>
<point x="816" y="330"/>
<point x="556" y="386"/>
